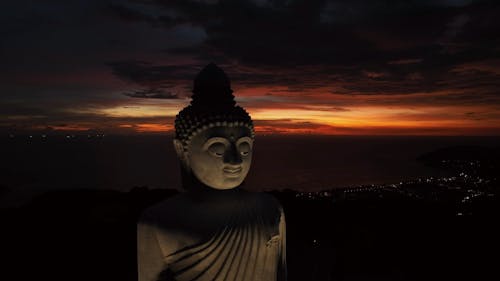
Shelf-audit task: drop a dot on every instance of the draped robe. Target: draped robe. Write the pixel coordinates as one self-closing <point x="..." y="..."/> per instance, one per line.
<point x="216" y="235"/>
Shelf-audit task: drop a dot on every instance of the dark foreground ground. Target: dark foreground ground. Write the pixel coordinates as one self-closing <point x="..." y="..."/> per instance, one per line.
<point x="427" y="230"/>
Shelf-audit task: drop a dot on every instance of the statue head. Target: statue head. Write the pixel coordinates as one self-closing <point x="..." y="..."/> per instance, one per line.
<point x="214" y="136"/>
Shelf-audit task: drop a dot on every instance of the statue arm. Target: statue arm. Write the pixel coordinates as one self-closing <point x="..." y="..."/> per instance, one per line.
<point x="150" y="259"/>
<point x="282" y="268"/>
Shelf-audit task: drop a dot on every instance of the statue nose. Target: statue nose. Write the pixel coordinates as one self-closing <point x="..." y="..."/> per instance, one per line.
<point x="233" y="156"/>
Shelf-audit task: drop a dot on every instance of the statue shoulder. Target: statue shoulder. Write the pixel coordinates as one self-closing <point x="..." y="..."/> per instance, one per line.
<point x="269" y="200"/>
<point x="269" y="205"/>
<point x="163" y="211"/>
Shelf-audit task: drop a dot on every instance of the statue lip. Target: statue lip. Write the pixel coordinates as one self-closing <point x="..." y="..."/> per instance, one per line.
<point x="232" y="171"/>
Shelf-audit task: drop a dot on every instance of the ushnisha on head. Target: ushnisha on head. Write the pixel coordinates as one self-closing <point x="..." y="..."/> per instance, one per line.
<point x="213" y="136"/>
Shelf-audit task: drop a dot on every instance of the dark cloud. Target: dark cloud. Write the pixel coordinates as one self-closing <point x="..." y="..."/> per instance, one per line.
<point x="152" y="94"/>
<point x="142" y="12"/>
<point x="364" y="47"/>
<point x="154" y="76"/>
<point x="58" y="56"/>
<point x="143" y="73"/>
<point x="292" y="32"/>
<point x="127" y="14"/>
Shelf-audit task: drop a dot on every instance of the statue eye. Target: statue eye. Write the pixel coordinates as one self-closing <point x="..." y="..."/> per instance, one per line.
<point x="217" y="149"/>
<point x="244" y="148"/>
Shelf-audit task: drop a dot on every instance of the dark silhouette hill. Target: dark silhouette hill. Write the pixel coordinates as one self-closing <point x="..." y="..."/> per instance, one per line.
<point x="374" y="233"/>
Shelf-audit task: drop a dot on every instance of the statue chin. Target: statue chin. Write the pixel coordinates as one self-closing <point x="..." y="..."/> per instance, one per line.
<point x="220" y="178"/>
<point x="229" y="184"/>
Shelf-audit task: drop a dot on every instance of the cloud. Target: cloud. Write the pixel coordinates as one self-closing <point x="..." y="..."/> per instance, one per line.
<point x="62" y="121"/>
<point x="367" y="49"/>
<point x="281" y="126"/>
<point x="125" y="13"/>
<point x="154" y="77"/>
<point x="405" y="61"/>
<point x="325" y="55"/>
<point x="152" y="94"/>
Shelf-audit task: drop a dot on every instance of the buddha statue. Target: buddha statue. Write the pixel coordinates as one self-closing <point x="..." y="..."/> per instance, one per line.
<point x="214" y="229"/>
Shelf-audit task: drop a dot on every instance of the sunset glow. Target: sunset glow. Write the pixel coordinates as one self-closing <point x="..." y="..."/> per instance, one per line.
<point x="312" y="119"/>
<point x="351" y="71"/>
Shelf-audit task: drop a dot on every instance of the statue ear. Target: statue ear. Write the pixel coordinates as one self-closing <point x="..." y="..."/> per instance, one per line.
<point x="179" y="150"/>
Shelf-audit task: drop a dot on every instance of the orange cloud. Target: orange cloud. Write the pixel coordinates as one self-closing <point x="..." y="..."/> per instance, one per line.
<point x="71" y="127"/>
<point x="152" y="128"/>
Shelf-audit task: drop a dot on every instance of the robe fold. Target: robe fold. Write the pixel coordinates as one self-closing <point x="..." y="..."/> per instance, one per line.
<point x="219" y="235"/>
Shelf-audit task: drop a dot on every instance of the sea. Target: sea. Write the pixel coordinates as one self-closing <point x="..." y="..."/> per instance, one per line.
<point x="31" y="165"/>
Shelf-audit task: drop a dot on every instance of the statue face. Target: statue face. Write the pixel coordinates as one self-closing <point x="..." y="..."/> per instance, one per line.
<point x="220" y="157"/>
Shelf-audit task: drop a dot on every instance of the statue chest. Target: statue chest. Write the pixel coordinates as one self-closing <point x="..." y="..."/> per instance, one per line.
<point x="234" y="252"/>
<point x="226" y="243"/>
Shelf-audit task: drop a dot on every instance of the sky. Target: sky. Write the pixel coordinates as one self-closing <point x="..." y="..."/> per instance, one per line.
<point x="298" y="67"/>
